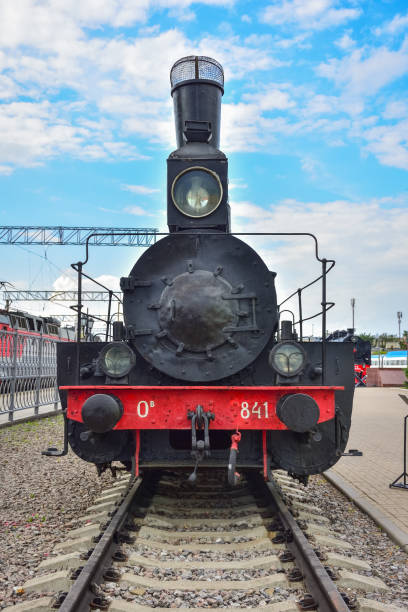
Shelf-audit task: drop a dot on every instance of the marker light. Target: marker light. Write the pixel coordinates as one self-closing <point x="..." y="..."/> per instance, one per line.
<point x="116" y="359"/>
<point x="287" y="358"/>
<point x="196" y="192"/>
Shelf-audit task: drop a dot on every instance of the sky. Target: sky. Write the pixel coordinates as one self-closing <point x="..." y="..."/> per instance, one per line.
<point x="314" y="124"/>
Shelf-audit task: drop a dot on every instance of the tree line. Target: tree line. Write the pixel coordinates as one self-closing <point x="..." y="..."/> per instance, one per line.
<point x="381" y="340"/>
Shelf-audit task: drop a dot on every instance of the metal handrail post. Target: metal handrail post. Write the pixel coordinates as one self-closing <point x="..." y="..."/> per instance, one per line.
<point x="79" y="310"/>
<point x="324" y="304"/>
<point x="109" y="314"/>
<point x="403" y="485"/>
<point x="299" y="291"/>
<point x="56" y="393"/>
<point x="13" y="379"/>
<point x="38" y="383"/>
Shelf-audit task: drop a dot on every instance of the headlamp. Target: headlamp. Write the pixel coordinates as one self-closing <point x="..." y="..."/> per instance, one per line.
<point x="287" y="358"/>
<point x="196" y="192"/>
<point x="116" y="359"/>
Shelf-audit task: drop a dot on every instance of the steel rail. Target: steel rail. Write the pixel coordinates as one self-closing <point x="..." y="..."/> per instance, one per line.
<point x="79" y="595"/>
<point x="317" y="580"/>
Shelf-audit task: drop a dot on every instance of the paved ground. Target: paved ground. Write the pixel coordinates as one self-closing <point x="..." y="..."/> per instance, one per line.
<point x="377" y="430"/>
<point x="26" y="413"/>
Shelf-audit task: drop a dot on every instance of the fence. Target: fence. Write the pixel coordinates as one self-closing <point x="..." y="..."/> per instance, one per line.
<point x="28" y="372"/>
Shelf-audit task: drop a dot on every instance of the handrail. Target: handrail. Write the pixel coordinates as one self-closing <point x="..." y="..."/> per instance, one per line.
<point x="327" y="266"/>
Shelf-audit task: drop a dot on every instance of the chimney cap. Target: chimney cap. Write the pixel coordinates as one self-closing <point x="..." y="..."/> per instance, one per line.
<point x="197" y="67"/>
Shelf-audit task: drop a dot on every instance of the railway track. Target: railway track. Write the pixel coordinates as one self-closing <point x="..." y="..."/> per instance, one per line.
<point x="159" y="543"/>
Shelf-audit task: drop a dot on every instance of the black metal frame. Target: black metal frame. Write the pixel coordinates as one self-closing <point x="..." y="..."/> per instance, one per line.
<point x="403" y="485"/>
<point x="327" y="265"/>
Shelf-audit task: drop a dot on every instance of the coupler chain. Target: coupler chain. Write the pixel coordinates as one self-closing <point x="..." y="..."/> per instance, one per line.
<point x="200" y="420"/>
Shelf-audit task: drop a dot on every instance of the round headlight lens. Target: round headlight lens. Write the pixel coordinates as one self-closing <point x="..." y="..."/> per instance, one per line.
<point x="196" y="192"/>
<point x="117" y="359"/>
<point x="287" y="358"/>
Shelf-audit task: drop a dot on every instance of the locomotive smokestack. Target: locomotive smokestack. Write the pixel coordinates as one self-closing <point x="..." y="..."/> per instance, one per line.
<point x="197" y="85"/>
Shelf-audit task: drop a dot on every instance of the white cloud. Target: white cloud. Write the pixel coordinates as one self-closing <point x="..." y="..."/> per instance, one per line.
<point x="398" y="24"/>
<point x="396" y="110"/>
<point x="42" y="22"/>
<point x="270" y="99"/>
<point x="139" y="189"/>
<point x="345" y="42"/>
<point x="369" y="264"/>
<point x="32" y="132"/>
<point x="6" y="170"/>
<point x="307" y="14"/>
<point x="237" y="57"/>
<point x="319" y="104"/>
<point x="389" y="143"/>
<point x="298" y="41"/>
<point x="236" y="184"/>
<point x="311" y="166"/>
<point x="364" y="71"/>
<point x="46" y="47"/>
<point x="138" y="211"/>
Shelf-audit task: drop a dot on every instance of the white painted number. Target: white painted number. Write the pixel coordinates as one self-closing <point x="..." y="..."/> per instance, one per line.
<point x="244" y="410"/>
<point x="266" y="409"/>
<point x="256" y="409"/>
<point x="142" y="409"/>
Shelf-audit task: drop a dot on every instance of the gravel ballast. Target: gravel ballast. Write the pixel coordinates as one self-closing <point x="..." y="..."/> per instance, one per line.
<point x="41" y="499"/>
<point x="369" y="543"/>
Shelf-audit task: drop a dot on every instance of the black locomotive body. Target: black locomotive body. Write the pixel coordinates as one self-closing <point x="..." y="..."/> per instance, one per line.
<point x="361" y="353"/>
<point x="202" y="355"/>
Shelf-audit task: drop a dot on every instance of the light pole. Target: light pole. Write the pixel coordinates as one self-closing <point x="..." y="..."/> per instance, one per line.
<point x="353" y="303"/>
<point x="399" y="317"/>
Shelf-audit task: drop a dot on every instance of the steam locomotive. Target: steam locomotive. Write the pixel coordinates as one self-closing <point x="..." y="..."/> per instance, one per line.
<point x="361" y="353"/>
<point x="203" y="369"/>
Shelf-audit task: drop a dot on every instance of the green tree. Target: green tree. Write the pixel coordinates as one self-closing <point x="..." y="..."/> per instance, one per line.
<point x="368" y="337"/>
<point x="384" y="338"/>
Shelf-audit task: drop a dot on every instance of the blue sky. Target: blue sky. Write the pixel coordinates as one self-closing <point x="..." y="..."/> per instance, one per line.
<point x="314" y="123"/>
